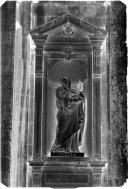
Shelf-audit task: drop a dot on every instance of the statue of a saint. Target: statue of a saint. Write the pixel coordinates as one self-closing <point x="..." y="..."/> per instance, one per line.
<point x="70" y="118"/>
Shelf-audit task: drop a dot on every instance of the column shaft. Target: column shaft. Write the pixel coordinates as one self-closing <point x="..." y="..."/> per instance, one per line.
<point x="44" y="113"/>
<point x="38" y="104"/>
<point x="96" y="105"/>
<point x="89" y="136"/>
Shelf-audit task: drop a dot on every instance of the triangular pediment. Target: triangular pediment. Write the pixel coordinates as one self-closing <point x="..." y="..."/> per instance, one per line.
<point x="72" y="20"/>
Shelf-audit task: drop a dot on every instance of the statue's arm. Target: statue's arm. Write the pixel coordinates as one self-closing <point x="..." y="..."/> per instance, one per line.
<point x="61" y="97"/>
<point x="58" y="97"/>
<point x="81" y="96"/>
<point x="77" y="98"/>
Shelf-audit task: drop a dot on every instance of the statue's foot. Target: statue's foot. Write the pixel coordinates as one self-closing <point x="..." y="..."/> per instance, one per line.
<point x="57" y="148"/>
<point x="75" y="149"/>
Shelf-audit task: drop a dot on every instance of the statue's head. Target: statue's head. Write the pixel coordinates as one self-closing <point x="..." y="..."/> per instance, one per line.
<point x="66" y="82"/>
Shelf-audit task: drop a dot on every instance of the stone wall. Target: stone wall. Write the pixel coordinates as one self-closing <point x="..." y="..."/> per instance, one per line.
<point x="92" y="12"/>
<point x="116" y="26"/>
<point x="7" y="73"/>
<point x="17" y="84"/>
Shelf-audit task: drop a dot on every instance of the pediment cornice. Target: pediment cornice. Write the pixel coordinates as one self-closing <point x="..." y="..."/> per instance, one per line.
<point x="68" y="18"/>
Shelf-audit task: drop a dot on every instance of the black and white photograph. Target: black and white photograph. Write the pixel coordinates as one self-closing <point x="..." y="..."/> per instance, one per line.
<point x="63" y="94"/>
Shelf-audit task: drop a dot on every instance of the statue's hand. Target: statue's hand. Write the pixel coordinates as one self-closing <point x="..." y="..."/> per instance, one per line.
<point x="81" y="96"/>
<point x="81" y="119"/>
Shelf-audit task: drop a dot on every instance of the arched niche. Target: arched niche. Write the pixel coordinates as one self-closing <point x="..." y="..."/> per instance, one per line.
<point x="77" y="73"/>
<point x="67" y="46"/>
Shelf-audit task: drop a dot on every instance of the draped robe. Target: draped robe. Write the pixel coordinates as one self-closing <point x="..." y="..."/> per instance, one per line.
<point x="70" y="118"/>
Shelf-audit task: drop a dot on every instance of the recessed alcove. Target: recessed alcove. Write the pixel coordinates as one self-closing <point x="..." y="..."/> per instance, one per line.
<point x="78" y="72"/>
<point x="75" y="70"/>
<point x="40" y="42"/>
<point x="69" y="47"/>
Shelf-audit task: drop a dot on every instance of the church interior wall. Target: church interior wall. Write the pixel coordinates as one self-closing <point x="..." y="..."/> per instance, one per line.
<point x="18" y="86"/>
<point x="7" y="71"/>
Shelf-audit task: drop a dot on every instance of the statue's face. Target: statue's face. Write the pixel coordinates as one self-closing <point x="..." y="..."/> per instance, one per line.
<point x="66" y="82"/>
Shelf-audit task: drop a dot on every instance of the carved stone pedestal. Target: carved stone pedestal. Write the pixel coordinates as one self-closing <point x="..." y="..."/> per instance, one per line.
<point x="67" y="154"/>
<point x="66" y="172"/>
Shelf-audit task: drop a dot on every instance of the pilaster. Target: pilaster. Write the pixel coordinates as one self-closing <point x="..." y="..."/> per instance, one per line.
<point x="38" y="118"/>
<point x="96" y="101"/>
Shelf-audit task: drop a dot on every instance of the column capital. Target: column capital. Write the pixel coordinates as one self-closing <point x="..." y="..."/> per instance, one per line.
<point x="96" y="76"/>
<point x="96" y="42"/>
<point x="39" y="40"/>
<point x="96" y="61"/>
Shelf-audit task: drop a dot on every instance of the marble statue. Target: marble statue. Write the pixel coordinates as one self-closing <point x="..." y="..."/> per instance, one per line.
<point x="70" y="118"/>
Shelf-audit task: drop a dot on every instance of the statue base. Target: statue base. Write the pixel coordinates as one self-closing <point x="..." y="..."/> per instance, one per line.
<point x="69" y="154"/>
<point x="65" y="172"/>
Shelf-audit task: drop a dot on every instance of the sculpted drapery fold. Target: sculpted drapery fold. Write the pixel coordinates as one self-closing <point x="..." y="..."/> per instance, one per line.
<point x="70" y="118"/>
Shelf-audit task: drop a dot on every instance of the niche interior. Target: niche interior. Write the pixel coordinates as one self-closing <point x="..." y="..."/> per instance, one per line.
<point x="66" y="46"/>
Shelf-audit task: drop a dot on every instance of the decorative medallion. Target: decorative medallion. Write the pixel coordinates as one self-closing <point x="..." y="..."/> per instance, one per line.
<point x="68" y="30"/>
